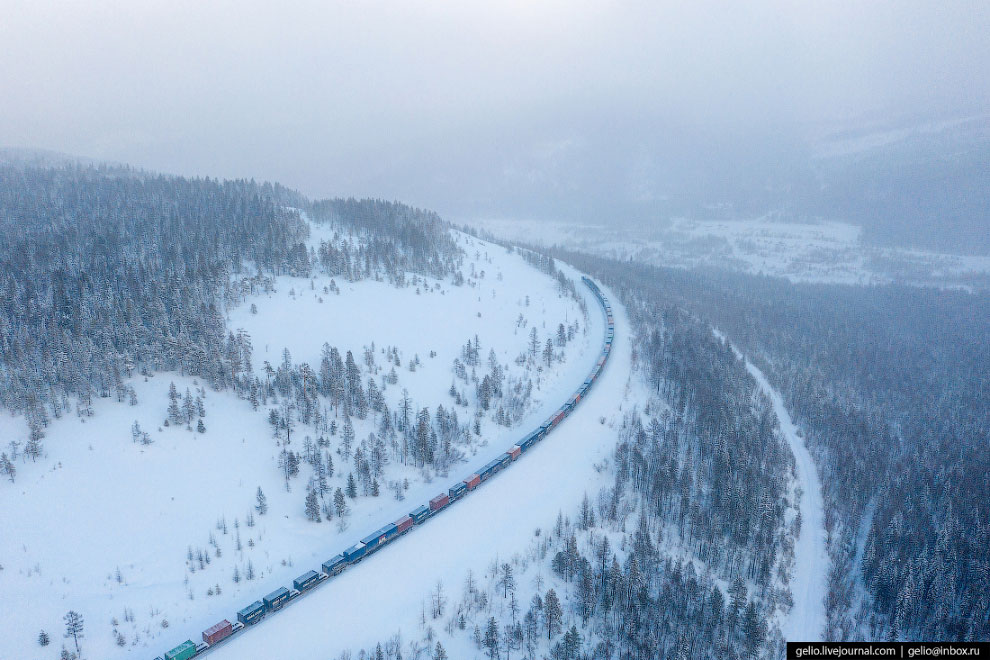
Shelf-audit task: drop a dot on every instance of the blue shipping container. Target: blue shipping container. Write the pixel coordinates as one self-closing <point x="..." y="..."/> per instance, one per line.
<point x="276" y="599"/>
<point x="419" y="514"/>
<point x="251" y="613"/>
<point x="305" y="581"/>
<point x="355" y="552"/>
<point x="335" y="565"/>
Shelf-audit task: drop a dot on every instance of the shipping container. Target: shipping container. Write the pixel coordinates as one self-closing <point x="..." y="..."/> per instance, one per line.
<point x="217" y="631"/>
<point x="439" y="502"/>
<point x="515" y="452"/>
<point x="472" y="482"/>
<point x="306" y="580"/>
<point x="252" y="613"/>
<point x="457" y="490"/>
<point x="183" y="651"/>
<point x="421" y="513"/>
<point x="379" y="538"/>
<point x="355" y="553"/>
<point x="276" y="599"/>
<point x="402" y="525"/>
<point x="504" y="459"/>
<point x="335" y="565"/>
<point x="487" y="471"/>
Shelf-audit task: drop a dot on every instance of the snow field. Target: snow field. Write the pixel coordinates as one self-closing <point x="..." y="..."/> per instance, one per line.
<point x="385" y="593"/>
<point x="97" y="501"/>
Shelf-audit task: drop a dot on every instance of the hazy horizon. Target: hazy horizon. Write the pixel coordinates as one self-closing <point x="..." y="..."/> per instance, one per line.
<point x="626" y="112"/>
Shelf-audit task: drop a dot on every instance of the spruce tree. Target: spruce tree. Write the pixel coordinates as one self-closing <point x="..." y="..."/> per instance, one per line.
<point x="262" y="505"/>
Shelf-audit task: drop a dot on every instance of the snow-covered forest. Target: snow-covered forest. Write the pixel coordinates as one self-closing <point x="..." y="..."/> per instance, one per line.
<point x="211" y="387"/>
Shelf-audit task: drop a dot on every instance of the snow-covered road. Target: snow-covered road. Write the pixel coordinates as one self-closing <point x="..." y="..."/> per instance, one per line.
<point x="386" y="593"/>
<point x="806" y="620"/>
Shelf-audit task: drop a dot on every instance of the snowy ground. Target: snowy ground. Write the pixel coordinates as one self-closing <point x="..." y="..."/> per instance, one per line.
<point x="386" y="593"/>
<point x="830" y="252"/>
<point x="98" y="502"/>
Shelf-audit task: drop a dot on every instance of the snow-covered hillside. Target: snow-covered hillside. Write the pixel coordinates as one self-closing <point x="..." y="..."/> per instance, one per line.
<point x="388" y="592"/>
<point x="144" y="540"/>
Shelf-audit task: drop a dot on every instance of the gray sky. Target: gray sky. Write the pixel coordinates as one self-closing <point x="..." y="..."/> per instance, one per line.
<point x="456" y="105"/>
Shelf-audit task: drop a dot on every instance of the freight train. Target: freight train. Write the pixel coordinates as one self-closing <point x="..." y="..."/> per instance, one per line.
<point x="370" y="544"/>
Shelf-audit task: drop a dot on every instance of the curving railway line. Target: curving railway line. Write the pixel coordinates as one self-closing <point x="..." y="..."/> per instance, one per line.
<point x="302" y="585"/>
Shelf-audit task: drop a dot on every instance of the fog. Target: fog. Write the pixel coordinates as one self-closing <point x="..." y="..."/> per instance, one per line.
<point x="502" y="109"/>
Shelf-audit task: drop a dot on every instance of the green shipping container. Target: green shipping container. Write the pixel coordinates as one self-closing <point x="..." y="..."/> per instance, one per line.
<point x="183" y="651"/>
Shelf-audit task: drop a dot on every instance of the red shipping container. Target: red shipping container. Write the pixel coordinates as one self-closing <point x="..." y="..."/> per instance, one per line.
<point x="439" y="502"/>
<point x="219" y="631"/>
<point x="402" y="524"/>
<point x="472" y="481"/>
<point x="515" y="452"/>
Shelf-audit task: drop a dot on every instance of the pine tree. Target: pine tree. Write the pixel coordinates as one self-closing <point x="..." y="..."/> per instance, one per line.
<point x="312" y="506"/>
<point x="506" y="579"/>
<point x="73" y="627"/>
<point x="339" y="503"/>
<point x="249" y="572"/>
<point x="439" y="653"/>
<point x="351" y="486"/>
<point x="188" y="408"/>
<point x="43" y="639"/>
<point x="200" y="427"/>
<point x="174" y="414"/>
<point x="548" y="353"/>
<point x="262" y="505"/>
<point x="491" y="637"/>
<point x="553" y="615"/>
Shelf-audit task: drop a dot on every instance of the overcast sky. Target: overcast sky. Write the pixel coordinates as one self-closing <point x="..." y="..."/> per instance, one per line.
<point x="450" y="104"/>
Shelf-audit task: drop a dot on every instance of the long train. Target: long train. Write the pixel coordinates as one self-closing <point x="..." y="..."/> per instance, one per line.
<point x="370" y="544"/>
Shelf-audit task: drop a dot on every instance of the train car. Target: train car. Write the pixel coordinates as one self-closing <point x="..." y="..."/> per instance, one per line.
<point x="558" y="417"/>
<point x="439" y="502"/>
<point x="530" y="439"/>
<point x="252" y="613"/>
<point x="457" y="491"/>
<point x="335" y="565"/>
<point x="504" y="460"/>
<point x="487" y="471"/>
<point x="306" y="580"/>
<point x="403" y="524"/>
<point x="183" y="651"/>
<point x="514" y="452"/>
<point x="421" y="513"/>
<point x="217" y="632"/>
<point x="355" y="553"/>
<point x="472" y="482"/>
<point x="276" y="599"/>
<point x="379" y="538"/>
